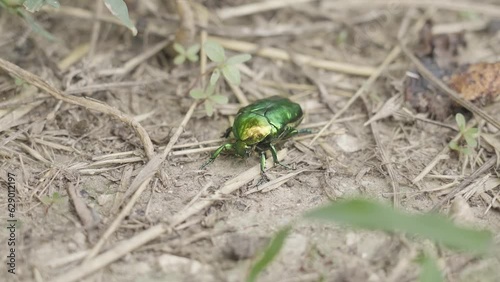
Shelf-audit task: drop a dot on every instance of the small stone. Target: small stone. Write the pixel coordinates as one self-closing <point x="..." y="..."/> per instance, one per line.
<point x="348" y="144"/>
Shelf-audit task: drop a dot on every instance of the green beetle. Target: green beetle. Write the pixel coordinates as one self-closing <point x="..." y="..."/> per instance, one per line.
<point x="259" y="126"/>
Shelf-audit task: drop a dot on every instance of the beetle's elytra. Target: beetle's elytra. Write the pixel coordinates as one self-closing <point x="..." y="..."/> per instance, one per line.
<point x="259" y="126"/>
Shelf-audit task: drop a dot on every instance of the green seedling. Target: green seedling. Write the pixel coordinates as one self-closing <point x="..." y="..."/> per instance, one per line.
<point x="469" y="135"/>
<point x="117" y="7"/>
<point x="191" y="54"/>
<point x="52" y="200"/>
<point x="227" y="66"/>
<point x="209" y="98"/>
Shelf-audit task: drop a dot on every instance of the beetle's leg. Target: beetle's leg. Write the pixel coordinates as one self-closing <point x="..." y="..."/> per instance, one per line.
<point x="290" y="132"/>
<point x="217" y="152"/>
<point x="227" y="132"/>
<point x="275" y="156"/>
<point x="263" y="168"/>
<point x="304" y="131"/>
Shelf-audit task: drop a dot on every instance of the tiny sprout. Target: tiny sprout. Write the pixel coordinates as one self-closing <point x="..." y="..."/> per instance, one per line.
<point x="469" y="135"/>
<point x="191" y="54"/>
<point x="210" y="99"/>
<point x="228" y="67"/>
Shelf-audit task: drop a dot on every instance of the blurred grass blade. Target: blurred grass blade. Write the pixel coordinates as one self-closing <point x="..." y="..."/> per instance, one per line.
<point x="429" y="270"/>
<point x="37" y="28"/>
<point x="366" y="214"/>
<point x="119" y="9"/>
<point x="269" y="254"/>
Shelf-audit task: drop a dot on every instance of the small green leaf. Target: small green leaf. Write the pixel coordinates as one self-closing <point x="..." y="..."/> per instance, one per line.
<point x="35" y="5"/>
<point x="460" y="121"/>
<point x="370" y="215"/>
<point x="179" y="59"/>
<point x="197" y="94"/>
<point x="473" y="132"/>
<point x="179" y="48"/>
<point x="214" y="51"/>
<point x="193" y="49"/>
<point x="231" y="74"/>
<point x="119" y="9"/>
<point x="215" y="76"/>
<point x="18" y="81"/>
<point x="342" y="37"/>
<point x="471" y="141"/>
<point x="465" y="150"/>
<point x="192" y="57"/>
<point x="269" y="254"/>
<point x="219" y="99"/>
<point x="210" y="90"/>
<point x="429" y="271"/>
<point x="238" y="59"/>
<point x="209" y="108"/>
<point x="53" y="3"/>
<point x="454" y="146"/>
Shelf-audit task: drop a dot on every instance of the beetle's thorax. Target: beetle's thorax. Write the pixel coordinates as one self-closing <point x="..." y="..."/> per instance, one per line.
<point x="251" y="128"/>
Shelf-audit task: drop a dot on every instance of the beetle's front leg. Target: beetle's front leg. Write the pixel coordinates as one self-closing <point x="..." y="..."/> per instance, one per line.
<point x="304" y="131"/>
<point x="263" y="168"/>
<point x="275" y="156"/>
<point x="290" y="132"/>
<point x="227" y="132"/>
<point x="217" y="152"/>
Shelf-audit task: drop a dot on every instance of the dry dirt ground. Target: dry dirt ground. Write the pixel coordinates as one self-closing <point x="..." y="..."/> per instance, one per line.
<point x="56" y="147"/>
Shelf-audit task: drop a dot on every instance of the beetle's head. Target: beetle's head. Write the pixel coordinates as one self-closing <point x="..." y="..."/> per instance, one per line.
<point x="242" y="149"/>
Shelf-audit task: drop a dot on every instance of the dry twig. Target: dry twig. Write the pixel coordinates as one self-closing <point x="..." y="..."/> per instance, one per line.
<point x="279" y="54"/>
<point x="86" y="103"/>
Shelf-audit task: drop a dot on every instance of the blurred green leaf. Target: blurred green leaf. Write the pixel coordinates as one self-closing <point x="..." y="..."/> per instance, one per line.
<point x="469" y="15"/>
<point x="465" y="150"/>
<point x="209" y="108"/>
<point x="429" y="271"/>
<point x="192" y="57"/>
<point x="215" y="76"/>
<point x="35" y="26"/>
<point x="179" y="48"/>
<point x="366" y="214"/>
<point x="472" y="132"/>
<point x="470" y="140"/>
<point x="210" y="90"/>
<point x="342" y="37"/>
<point x="35" y="5"/>
<point x="11" y="3"/>
<point x="193" y="50"/>
<point x="269" y="254"/>
<point x="214" y="51"/>
<point x="238" y="59"/>
<point x="179" y="59"/>
<point x="231" y="74"/>
<point x="197" y="94"/>
<point x="119" y="9"/>
<point x="55" y="198"/>
<point x="18" y="81"/>
<point x="460" y="121"/>
<point x="219" y="99"/>
<point x="454" y="146"/>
